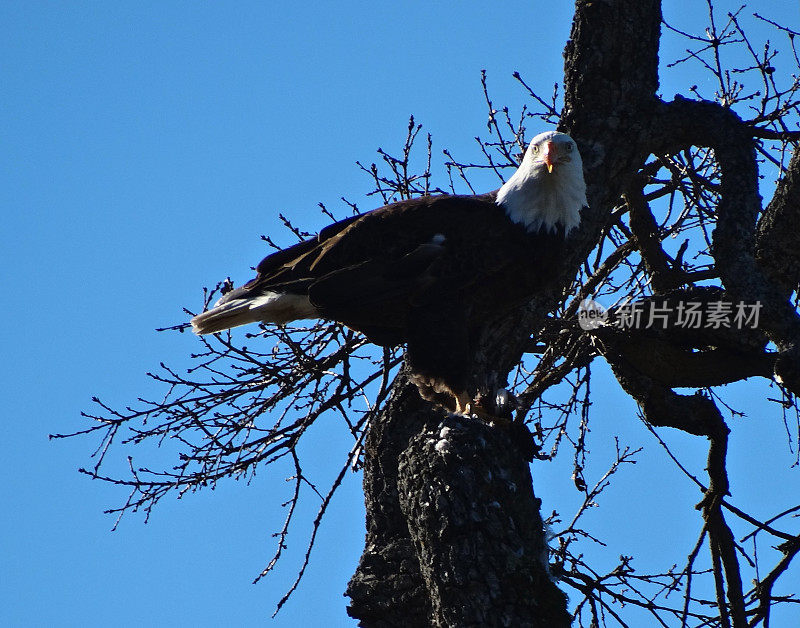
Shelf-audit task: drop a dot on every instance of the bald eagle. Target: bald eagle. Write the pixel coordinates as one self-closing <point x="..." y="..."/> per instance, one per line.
<point x="428" y="271"/>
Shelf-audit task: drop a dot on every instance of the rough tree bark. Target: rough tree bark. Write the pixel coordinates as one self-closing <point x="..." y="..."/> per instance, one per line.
<point x="454" y="533"/>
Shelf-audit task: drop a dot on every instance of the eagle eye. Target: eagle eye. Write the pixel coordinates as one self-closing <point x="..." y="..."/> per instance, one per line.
<point x="568" y="146"/>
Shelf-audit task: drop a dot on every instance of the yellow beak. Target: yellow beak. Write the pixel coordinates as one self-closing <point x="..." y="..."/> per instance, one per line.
<point x="550" y="156"/>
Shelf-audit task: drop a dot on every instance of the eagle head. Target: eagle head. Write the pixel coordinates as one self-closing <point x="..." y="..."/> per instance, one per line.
<point x="547" y="190"/>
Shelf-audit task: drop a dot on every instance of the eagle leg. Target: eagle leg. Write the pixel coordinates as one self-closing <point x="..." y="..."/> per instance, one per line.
<point x="439" y="356"/>
<point x="438" y="353"/>
<point x="474" y="407"/>
<point x="518" y="432"/>
<point x="464" y="403"/>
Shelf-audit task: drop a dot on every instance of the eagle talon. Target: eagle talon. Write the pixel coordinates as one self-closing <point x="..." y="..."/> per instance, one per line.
<point x="505" y="402"/>
<point x="467" y="406"/>
<point x="464" y="404"/>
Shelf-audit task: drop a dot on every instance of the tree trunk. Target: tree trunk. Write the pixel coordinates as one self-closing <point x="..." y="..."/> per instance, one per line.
<point x="454" y="533"/>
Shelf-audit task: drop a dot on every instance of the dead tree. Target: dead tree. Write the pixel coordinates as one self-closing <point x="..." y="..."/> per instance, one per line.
<point x="455" y="536"/>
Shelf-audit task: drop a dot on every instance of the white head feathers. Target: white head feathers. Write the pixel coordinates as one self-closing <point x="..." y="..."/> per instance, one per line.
<point x="548" y="187"/>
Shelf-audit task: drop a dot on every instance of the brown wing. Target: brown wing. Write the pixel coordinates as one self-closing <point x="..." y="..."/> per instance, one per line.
<point x="369" y="270"/>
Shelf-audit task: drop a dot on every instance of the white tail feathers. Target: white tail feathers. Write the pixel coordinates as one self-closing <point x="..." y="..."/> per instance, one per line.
<point x="270" y="307"/>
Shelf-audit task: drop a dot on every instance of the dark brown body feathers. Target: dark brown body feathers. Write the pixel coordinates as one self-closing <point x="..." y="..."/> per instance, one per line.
<point x="427" y="271"/>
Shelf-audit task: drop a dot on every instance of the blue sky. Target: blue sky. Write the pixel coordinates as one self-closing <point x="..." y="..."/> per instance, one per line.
<point x="146" y="147"/>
